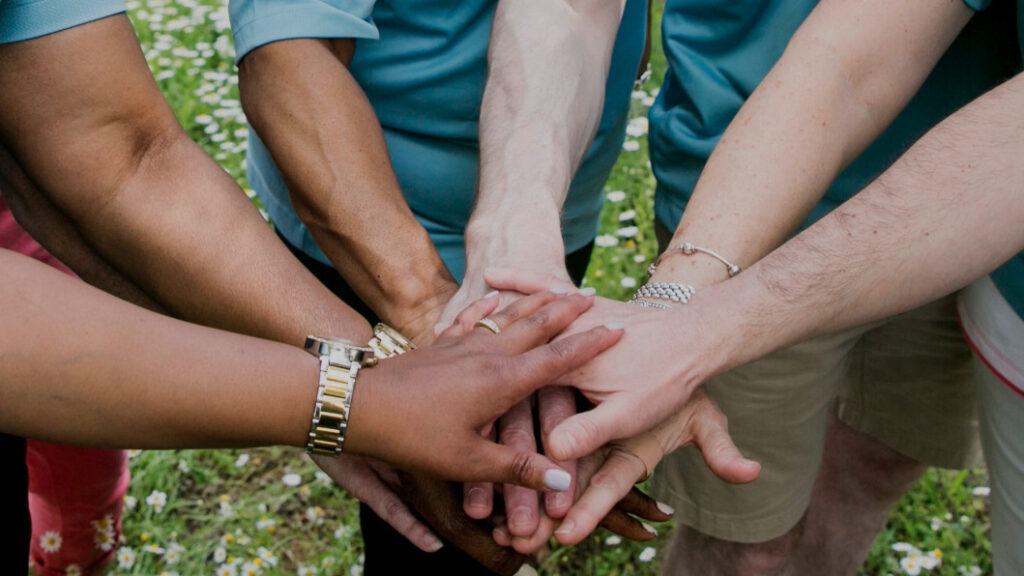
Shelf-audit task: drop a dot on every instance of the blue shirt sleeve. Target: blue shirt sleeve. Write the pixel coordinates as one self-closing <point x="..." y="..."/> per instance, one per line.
<point x="27" y="19"/>
<point x="258" y="22"/>
<point x="977" y="4"/>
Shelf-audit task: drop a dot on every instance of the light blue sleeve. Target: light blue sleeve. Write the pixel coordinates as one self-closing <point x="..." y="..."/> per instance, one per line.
<point x="27" y="19"/>
<point x="977" y="4"/>
<point x="258" y="22"/>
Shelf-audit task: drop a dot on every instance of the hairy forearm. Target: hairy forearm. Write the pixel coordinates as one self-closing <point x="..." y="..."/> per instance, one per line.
<point x="80" y="366"/>
<point x="548" y="66"/>
<point x="328" y="143"/>
<point x="946" y="213"/>
<point x="835" y="89"/>
<point x="144" y="197"/>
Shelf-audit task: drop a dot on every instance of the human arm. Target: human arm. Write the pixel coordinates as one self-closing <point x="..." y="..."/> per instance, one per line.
<point x="835" y="89"/>
<point x="142" y="196"/>
<point x="81" y="366"/>
<point x="325" y="137"/>
<point x="901" y="242"/>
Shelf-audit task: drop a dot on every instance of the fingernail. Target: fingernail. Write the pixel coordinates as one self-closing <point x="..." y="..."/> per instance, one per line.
<point x="432" y="542"/>
<point x="666" y="509"/>
<point x="649" y="528"/>
<point x="558" y="500"/>
<point x="566" y="527"/>
<point x="520" y="517"/>
<point x="477" y="498"/>
<point x="559" y="291"/>
<point x="588" y="291"/>
<point x="526" y="570"/>
<point x="557" y="480"/>
<point x="615" y="325"/>
<point x="491" y="294"/>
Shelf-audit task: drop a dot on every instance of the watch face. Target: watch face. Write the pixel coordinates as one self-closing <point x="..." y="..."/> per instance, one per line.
<point x="338" y="351"/>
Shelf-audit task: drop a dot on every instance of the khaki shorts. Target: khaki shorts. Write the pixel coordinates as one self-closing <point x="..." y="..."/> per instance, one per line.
<point x="905" y="381"/>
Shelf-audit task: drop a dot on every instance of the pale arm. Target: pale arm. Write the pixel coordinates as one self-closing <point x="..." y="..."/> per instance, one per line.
<point x="946" y="213"/>
<point x="836" y="88"/>
<point x="324" y="136"/>
<point x="548" y="64"/>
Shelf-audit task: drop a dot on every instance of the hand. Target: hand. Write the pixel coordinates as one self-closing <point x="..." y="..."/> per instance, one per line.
<point x="619" y="518"/>
<point x="632" y="460"/>
<point x="647" y="379"/>
<point x="474" y="378"/>
<point x="374" y="483"/>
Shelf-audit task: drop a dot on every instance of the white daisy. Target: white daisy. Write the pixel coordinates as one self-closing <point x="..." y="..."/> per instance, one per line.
<point x="157" y="500"/>
<point x="73" y="570"/>
<point x="647" y="554"/>
<point x="630" y="145"/>
<point x="613" y="540"/>
<point x="266" y="555"/>
<point x="615" y="195"/>
<point x="606" y="241"/>
<point x="125" y="557"/>
<point x="291" y="479"/>
<point x="105" y="540"/>
<point x="249" y="569"/>
<point x="51" y="541"/>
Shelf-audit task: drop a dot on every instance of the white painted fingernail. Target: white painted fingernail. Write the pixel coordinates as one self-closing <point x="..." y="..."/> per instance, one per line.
<point x="432" y="542"/>
<point x="649" y="528"/>
<point x="566" y="527"/>
<point x="615" y="325"/>
<point x="559" y="291"/>
<point x="557" y="480"/>
<point x="666" y="509"/>
<point x="588" y="291"/>
<point x="526" y="570"/>
<point x="491" y="294"/>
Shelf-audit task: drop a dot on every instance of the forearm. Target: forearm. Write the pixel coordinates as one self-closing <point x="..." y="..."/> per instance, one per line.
<point x="52" y="229"/>
<point x="144" y="197"/>
<point x="946" y="213"/>
<point x="835" y="89"/>
<point x="328" y="143"/>
<point x="80" y="366"/>
<point x="548" y="66"/>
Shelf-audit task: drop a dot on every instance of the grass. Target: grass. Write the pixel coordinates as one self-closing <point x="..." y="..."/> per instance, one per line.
<point x="270" y="510"/>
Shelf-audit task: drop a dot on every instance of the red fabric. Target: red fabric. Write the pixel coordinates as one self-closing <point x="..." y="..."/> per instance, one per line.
<point x="74" y="492"/>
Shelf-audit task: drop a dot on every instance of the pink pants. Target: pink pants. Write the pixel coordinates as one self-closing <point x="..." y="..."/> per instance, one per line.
<point x="75" y="494"/>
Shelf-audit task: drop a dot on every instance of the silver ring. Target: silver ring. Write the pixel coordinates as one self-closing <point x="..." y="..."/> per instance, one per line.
<point x="489" y="324"/>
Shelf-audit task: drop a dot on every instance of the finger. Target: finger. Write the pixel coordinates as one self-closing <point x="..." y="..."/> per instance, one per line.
<point x="587" y="431"/>
<point x="466" y="319"/>
<point x="492" y="462"/>
<point x="711" y="436"/>
<point x="478" y="497"/>
<point x="392" y="510"/>
<point x="626" y="526"/>
<point x="521" y="504"/>
<point x="500" y="532"/>
<point x="639" y="504"/>
<point x="611" y="483"/>
<point x="524" y="281"/>
<point x="554" y="405"/>
<point x="543" y="365"/>
<point x="521" y="332"/>
<point x="533" y="542"/>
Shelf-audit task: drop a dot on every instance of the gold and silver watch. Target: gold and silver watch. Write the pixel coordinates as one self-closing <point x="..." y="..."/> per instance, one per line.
<point x="388" y="342"/>
<point x="340" y="362"/>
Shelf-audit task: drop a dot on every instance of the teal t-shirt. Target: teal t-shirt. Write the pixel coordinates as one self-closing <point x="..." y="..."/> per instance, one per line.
<point x="423" y="65"/>
<point x="718" y="52"/>
<point x="27" y="19"/>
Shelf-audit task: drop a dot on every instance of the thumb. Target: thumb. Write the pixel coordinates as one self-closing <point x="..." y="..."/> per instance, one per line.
<point x="502" y="464"/>
<point x="585" y="432"/>
<point x="524" y="281"/>
<point x="724" y="459"/>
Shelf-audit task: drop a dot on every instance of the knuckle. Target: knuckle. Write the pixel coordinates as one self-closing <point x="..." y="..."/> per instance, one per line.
<point x="393" y="510"/>
<point x="517" y="437"/>
<point x="522" y="468"/>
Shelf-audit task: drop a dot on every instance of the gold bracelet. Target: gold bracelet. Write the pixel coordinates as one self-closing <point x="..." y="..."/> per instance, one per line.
<point x="340" y="362"/>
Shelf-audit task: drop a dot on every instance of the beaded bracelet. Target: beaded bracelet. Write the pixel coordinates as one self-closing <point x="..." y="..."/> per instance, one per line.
<point x="689" y="249"/>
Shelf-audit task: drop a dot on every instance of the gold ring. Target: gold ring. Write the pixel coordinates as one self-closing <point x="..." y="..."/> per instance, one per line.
<point x="489" y="324"/>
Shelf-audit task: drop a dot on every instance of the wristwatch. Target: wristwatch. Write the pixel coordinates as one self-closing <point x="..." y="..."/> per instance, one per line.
<point x="340" y="362"/>
<point x="388" y="342"/>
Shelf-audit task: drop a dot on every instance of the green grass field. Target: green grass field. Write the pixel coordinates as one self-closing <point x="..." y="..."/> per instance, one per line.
<point x="271" y="512"/>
